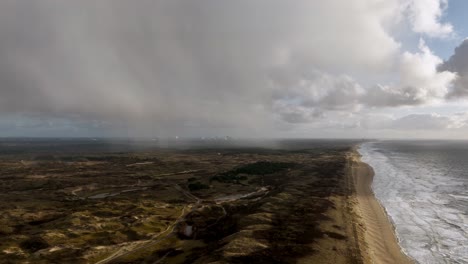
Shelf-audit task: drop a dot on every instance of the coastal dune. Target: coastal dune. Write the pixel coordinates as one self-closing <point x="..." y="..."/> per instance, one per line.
<point x="380" y="242"/>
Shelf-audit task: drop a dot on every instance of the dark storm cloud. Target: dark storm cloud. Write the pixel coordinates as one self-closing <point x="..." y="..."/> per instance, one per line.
<point x="458" y="63"/>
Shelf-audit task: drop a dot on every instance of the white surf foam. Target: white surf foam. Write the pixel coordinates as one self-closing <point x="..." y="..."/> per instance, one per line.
<point x="428" y="229"/>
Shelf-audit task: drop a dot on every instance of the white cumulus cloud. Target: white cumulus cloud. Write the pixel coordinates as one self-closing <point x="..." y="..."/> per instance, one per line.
<point x="426" y="15"/>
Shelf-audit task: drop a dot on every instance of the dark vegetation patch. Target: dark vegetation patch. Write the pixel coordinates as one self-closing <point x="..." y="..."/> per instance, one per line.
<point x="132" y="235"/>
<point x="34" y="244"/>
<point x="195" y="186"/>
<point x="258" y="168"/>
<point x="191" y="179"/>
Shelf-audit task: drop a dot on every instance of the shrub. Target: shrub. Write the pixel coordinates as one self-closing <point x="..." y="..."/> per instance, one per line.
<point x="197" y="186"/>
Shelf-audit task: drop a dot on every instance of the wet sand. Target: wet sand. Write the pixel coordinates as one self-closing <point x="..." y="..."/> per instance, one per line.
<point x="380" y="244"/>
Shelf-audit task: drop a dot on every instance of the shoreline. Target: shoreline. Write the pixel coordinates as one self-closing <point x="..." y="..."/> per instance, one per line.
<point x="380" y="242"/>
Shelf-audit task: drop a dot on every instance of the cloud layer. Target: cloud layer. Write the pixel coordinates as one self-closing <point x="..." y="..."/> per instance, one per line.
<point x="161" y="67"/>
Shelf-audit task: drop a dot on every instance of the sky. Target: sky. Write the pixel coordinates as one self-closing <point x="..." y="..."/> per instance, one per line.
<point x="246" y="69"/>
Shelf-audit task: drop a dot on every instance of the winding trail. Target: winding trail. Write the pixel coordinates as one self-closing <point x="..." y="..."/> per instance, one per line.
<point x="132" y="247"/>
<point x="138" y="245"/>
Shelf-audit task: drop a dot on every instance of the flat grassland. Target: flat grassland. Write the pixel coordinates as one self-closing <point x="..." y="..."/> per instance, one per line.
<point x="195" y="205"/>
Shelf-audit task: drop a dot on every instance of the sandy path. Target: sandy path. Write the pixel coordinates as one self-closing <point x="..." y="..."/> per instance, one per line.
<point x="382" y="245"/>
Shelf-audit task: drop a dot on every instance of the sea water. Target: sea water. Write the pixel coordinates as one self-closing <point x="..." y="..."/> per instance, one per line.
<point x="423" y="186"/>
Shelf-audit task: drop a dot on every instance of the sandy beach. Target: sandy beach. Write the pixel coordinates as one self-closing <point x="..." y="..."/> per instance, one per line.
<point x="379" y="241"/>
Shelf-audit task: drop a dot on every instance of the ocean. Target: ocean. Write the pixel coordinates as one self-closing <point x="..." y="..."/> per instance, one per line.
<point x="423" y="186"/>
